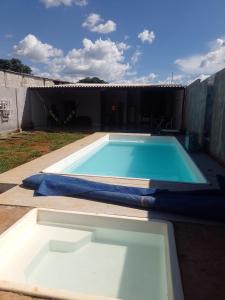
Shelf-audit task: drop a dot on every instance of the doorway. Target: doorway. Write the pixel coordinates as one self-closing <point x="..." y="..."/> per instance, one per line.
<point x="112" y="113"/>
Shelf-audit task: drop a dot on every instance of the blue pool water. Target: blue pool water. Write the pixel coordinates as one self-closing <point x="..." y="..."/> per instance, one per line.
<point x="145" y="160"/>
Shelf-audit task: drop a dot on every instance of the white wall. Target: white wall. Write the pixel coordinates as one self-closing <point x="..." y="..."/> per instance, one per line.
<point x="10" y="79"/>
<point x="17" y="99"/>
<point x="38" y="111"/>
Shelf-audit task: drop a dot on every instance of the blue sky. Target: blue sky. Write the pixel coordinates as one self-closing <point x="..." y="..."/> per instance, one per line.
<point x="120" y="40"/>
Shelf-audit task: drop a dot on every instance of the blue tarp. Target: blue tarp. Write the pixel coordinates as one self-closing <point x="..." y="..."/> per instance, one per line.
<point x="200" y="204"/>
<point x="59" y="185"/>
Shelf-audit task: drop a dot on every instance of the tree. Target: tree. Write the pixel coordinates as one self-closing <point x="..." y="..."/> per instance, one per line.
<point x="14" y="65"/>
<point x="91" y="80"/>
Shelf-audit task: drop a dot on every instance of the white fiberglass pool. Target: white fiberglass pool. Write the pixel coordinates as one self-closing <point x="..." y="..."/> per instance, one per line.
<point x="67" y="255"/>
<point x="132" y="156"/>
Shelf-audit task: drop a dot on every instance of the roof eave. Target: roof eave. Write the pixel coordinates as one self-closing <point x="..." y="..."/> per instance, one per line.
<point x="108" y="86"/>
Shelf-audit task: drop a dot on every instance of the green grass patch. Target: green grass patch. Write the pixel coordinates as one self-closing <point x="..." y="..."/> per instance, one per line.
<point x="23" y="147"/>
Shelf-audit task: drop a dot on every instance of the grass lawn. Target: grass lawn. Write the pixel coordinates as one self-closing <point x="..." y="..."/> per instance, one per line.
<point x="23" y="147"/>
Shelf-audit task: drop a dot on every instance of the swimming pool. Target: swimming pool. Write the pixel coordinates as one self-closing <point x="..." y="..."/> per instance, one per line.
<point x="68" y="255"/>
<point x="132" y="156"/>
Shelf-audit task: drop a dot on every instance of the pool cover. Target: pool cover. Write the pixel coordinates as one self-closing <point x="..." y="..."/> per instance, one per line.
<point x="207" y="204"/>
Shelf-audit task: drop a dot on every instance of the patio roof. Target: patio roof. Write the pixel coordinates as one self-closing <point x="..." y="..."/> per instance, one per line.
<point x="108" y="86"/>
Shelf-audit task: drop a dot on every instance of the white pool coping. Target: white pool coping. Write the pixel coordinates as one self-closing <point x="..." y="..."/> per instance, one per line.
<point x="57" y="168"/>
<point x="23" y="228"/>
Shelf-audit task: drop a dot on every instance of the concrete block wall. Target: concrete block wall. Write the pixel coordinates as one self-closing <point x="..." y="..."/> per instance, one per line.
<point x="16" y="80"/>
<point x="217" y="136"/>
<point x="13" y="80"/>
<point x="17" y="100"/>
<point x="24" y="97"/>
<point x="195" y="107"/>
<point x="2" y="79"/>
<point x="23" y="115"/>
<point x="205" y="113"/>
<point x="32" y="81"/>
<point x="38" y="113"/>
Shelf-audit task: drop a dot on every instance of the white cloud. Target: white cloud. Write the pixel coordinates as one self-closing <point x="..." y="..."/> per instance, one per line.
<point x="102" y="58"/>
<point x="185" y="79"/>
<point x="179" y="78"/>
<point x="54" y="3"/>
<point x="8" y="36"/>
<point x="220" y="42"/>
<point x="135" y="57"/>
<point x="95" y="23"/>
<point x="35" y="70"/>
<point x="123" y="46"/>
<point x="147" y="36"/>
<point x="201" y="77"/>
<point x="205" y="63"/>
<point x="175" y="79"/>
<point x="35" y="50"/>
<point x="131" y="73"/>
<point x="92" y="20"/>
<point x="147" y="79"/>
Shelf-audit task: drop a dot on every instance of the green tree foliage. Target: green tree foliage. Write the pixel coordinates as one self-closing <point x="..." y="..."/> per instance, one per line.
<point x="14" y="65"/>
<point x="91" y="80"/>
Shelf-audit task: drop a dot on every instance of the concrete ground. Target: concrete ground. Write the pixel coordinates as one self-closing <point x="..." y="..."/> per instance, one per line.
<point x="200" y="245"/>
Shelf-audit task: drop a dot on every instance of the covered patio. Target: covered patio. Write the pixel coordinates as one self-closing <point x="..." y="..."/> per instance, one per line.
<point x="108" y="107"/>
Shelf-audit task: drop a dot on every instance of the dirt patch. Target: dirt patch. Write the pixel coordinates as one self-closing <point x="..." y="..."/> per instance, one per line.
<point x="14" y="296"/>
<point x="10" y="214"/>
<point x="201" y="257"/>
